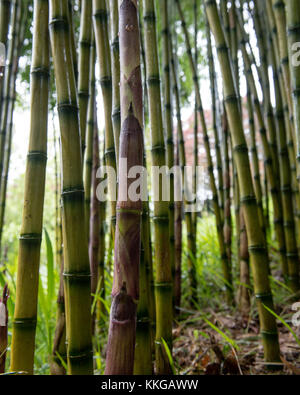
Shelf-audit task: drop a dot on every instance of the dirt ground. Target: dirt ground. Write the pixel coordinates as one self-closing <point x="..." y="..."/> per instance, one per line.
<point x="200" y="349"/>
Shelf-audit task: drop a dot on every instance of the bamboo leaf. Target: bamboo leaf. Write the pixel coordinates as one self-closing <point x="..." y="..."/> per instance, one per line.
<point x="169" y="355"/>
<point x="283" y="322"/>
<point x="225" y="337"/>
<point x="50" y="268"/>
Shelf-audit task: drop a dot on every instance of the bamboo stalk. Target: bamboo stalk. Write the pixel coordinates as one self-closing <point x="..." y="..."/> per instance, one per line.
<point x="255" y="161"/>
<point x="88" y="156"/>
<point x="257" y="250"/>
<point x="11" y="99"/>
<point x="280" y="20"/>
<point x="178" y="244"/>
<point x="94" y="217"/>
<point x="219" y="223"/>
<point x="196" y="127"/>
<point x="5" y="8"/>
<point x="85" y="42"/>
<point x="115" y="68"/>
<point x="59" y="351"/>
<point x="143" y="348"/>
<point x="213" y="89"/>
<point x="59" y="342"/>
<point x="100" y="17"/>
<point x="188" y="216"/>
<point x="72" y="39"/>
<point x="227" y="187"/>
<point x="276" y="198"/>
<point x="168" y="123"/>
<point x="293" y="19"/>
<point x="244" y="291"/>
<point x="100" y="310"/>
<point x="76" y="262"/>
<point x="7" y="83"/>
<point x="23" y="337"/>
<point x="163" y="280"/>
<point x="125" y="292"/>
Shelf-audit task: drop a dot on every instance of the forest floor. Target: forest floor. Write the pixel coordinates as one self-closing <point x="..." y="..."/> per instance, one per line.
<point x="228" y="344"/>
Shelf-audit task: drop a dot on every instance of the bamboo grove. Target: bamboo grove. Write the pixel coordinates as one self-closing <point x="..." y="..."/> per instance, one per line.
<point x="113" y="81"/>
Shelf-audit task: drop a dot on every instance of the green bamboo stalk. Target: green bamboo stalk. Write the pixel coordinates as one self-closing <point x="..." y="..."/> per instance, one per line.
<point x="88" y="155"/>
<point x="11" y="99"/>
<point x="255" y="161"/>
<point x="285" y="170"/>
<point x="163" y="280"/>
<point x="115" y="68"/>
<point x="59" y="341"/>
<point x="100" y="309"/>
<point x="23" y="337"/>
<point x="286" y="192"/>
<point x="58" y="235"/>
<point x="234" y="39"/>
<point x="225" y="19"/>
<point x="188" y="216"/>
<point x="213" y="89"/>
<point x="292" y="149"/>
<point x="7" y="83"/>
<point x="76" y="261"/>
<point x="268" y="109"/>
<point x="257" y="250"/>
<point x="143" y="348"/>
<point x="59" y="351"/>
<point x="85" y="42"/>
<point x="273" y="182"/>
<point x="125" y="292"/>
<point x="178" y="243"/>
<point x="146" y="210"/>
<point x="219" y="223"/>
<point x="100" y="17"/>
<point x="274" y="60"/>
<point x="227" y="188"/>
<point x="280" y="20"/>
<point x="196" y="127"/>
<point x="244" y="291"/>
<point x="5" y="7"/>
<point x="94" y="217"/>
<point x="292" y="10"/>
<point x="72" y="38"/>
<point x="168" y="123"/>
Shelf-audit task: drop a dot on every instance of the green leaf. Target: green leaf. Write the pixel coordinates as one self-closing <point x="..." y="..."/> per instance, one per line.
<point x="169" y="355"/>
<point x="50" y="268"/>
<point x="225" y="337"/>
<point x="283" y="322"/>
<point x="64" y="365"/>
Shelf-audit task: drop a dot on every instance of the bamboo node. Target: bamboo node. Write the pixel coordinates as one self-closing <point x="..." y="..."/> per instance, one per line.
<point x="264" y="296"/>
<point x="167" y="285"/>
<point x="75" y="276"/>
<point x="37" y="156"/>
<point x="26" y="323"/>
<point x="257" y="249"/>
<point x="34" y="237"/>
<point x="251" y="199"/>
<point x="241" y="148"/>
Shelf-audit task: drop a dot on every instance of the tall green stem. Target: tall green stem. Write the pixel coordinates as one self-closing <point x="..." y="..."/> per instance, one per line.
<point x="163" y="281"/>
<point x="76" y="261"/>
<point x="257" y="248"/>
<point x="23" y="337"/>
